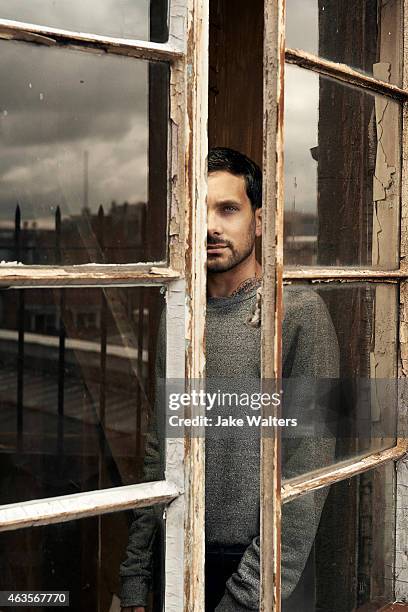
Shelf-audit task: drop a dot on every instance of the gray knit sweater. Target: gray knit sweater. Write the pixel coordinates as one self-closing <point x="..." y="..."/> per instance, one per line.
<point x="310" y="352"/>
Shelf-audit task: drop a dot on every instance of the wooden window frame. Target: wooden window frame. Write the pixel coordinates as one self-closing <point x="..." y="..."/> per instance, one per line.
<point x="273" y="494"/>
<point x="183" y="275"/>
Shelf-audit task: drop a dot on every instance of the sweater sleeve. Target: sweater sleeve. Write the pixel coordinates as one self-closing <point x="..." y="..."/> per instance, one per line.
<point x="312" y="354"/>
<point x="136" y="571"/>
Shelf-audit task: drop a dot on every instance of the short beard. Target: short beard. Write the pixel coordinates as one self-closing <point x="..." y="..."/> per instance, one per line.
<point x="235" y="256"/>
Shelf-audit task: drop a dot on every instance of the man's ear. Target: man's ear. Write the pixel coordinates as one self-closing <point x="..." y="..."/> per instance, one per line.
<point x="258" y="222"/>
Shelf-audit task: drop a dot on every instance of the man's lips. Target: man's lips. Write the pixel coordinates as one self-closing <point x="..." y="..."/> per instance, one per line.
<point x="215" y="248"/>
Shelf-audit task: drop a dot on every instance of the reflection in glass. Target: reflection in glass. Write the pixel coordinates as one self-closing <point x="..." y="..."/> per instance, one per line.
<point x="342" y="174"/>
<point x="338" y="546"/>
<point x="138" y="19"/>
<point x="367" y="38"/>
<point x="352" y="413"/>
<point x="81" y="556"/>
<point x="83" y="149"/>
<point x="77" y="383"/>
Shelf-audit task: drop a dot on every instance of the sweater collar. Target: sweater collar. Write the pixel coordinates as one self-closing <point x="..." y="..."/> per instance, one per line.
<point x="230" y="300"/>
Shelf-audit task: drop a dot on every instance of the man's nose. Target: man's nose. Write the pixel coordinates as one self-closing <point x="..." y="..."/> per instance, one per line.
<point x="213" y="224"/>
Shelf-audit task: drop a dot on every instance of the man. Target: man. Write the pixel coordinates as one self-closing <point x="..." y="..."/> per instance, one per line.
<point x="310" y="352"/>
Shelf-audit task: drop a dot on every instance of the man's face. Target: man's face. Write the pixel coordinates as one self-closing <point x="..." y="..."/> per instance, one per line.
<point x="232" y="223"/>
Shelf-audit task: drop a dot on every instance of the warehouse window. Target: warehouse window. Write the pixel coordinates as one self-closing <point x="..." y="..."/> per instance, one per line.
<point x="102" y="227"/>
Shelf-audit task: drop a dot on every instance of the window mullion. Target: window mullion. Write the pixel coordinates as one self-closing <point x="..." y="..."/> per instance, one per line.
<point x="343" y="274"/>
<point x="80" y="505"/>
<point x="345" y="73"/>
<point x="401" y="539"/>
<point x="195" y="159"/>
<point x="174" y="450"/>
<point x="50" y="37"/>
<point x="85" y="275"/>
<point x="271" y="323"/>
<point x="329" y="475"/>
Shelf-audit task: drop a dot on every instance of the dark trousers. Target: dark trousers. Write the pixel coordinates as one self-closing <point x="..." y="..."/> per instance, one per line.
<point x="221" y="562"/>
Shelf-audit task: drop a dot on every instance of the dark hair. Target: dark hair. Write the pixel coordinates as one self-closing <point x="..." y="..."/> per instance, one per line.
<point x="221" y="158"/>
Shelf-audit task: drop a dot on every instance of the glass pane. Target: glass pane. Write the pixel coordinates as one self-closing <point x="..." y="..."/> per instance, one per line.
<point x="78" y="133"/>
<point x="367" y="38"/>
<point x="339" y="369"/>
<point x="338" y="546"/>
<point x="77" y="383"/>
<point x="138" y="19"/>
<point x="342" y="174"/>
<point x="83" y="557"/>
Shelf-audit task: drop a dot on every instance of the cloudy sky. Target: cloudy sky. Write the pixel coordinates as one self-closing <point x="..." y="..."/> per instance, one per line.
<point x="58" y="105"/>
<point x="127" y="18"/>
<point x="301" y="123"/>
<point x="302" y="25"/>
<point x="301" y="109"/>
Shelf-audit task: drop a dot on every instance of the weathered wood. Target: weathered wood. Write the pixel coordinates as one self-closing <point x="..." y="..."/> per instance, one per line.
<point x="385" y="253"/>
<point x="85" y="275"/>
<point x="195" y="192"/>
<point x="272" y="290"/>
<point x="386" y="180"/>
<point x="174" y="452"/>
<point x="80" y="505"/>
<point x="327" y="476"/>
<point x="344" y="73"/>
<point x="51" y="37"/>
<point x="177" y="167"/>
<point x="235" y="73"/>
<point x="336" y="274"/>
<point x="401" y="536"/>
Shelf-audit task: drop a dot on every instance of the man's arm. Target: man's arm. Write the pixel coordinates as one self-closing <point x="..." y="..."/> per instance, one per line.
<point x="312" y="353"/>
<point x="137" y="568"/>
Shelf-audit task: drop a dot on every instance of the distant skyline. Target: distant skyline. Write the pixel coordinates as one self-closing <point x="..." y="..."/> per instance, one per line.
<point x="57" y="104"/>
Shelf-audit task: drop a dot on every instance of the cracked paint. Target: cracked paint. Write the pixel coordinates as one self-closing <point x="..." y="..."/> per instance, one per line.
<point x="383" y="176"/>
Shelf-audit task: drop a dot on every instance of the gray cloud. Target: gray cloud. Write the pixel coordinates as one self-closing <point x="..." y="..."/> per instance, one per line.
<point x="302" y="25"/>
<point x="39" y="78"/>
<point x="122" y="18"/>
<point x="59" y="104"/>
<point x="301" y="133"/>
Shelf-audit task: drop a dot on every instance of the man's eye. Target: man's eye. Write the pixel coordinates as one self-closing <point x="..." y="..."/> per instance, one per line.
<point x="230" y="209"/>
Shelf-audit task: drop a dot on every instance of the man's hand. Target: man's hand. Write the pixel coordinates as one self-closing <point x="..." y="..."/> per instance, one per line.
<point x="133" y="609"/>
